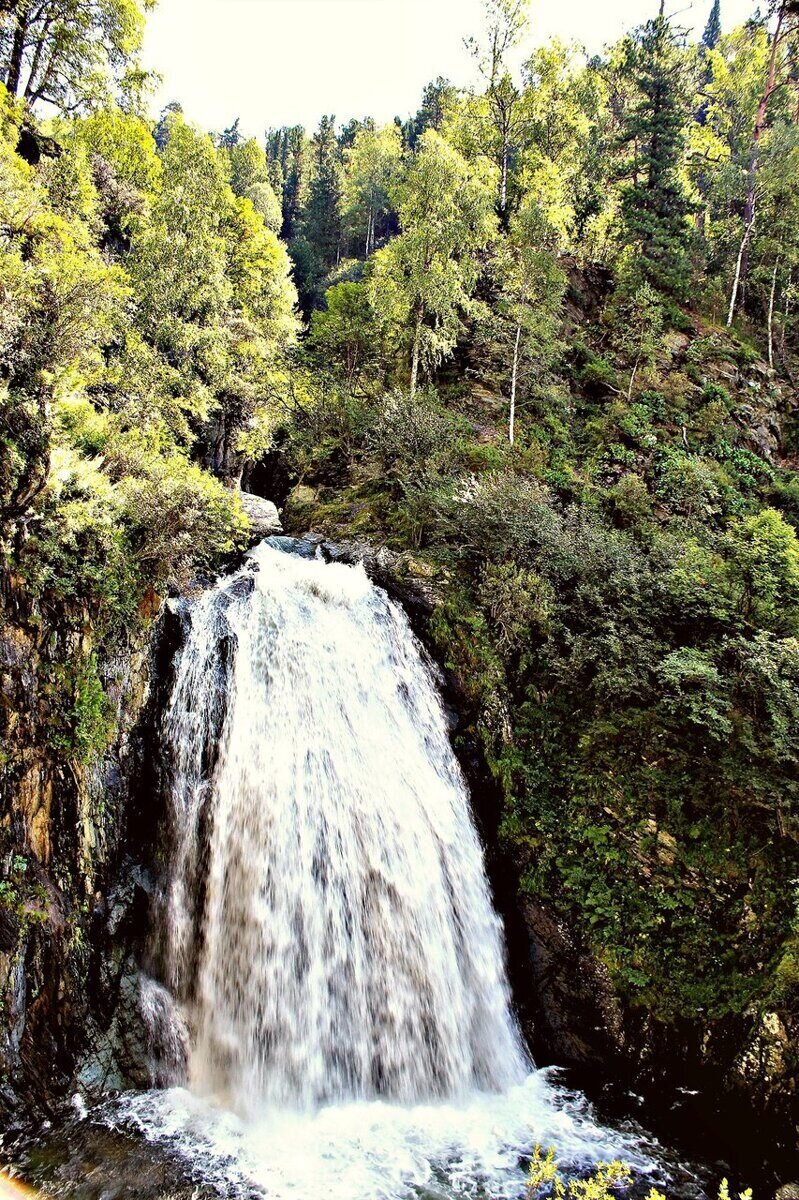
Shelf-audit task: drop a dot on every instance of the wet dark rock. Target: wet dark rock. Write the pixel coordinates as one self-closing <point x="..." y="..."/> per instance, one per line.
<point x="588" y="286"/>
<point x="73" y="927"/>
<point x="271" y="476"/>
<point x="578" y="1018"/>
<point x="84" y="1160"/>
<point x="33" y="146"/>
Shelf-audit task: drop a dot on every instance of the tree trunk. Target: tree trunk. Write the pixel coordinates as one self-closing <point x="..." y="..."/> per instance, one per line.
<point x="737" y="280"/>
<point x="632" y="378"/>
<point x="771" y="314"/>
<point x="370" y="237"/>
<point x="31" y="86"/>
<point x="754" y="157"/>
<point x="14" y="76"/>
<point x="41" y="90"/>
<point x="512" y="421"/>
<point x="417" y="337"/>
<point x="503" y="181"/>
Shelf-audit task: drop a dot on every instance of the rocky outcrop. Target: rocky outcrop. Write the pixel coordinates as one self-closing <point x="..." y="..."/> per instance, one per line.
<point x="406" y="579"/>
<point x="262" y="514"/>
<point x="578" y="1018"/>
<point x="69" y="930"/>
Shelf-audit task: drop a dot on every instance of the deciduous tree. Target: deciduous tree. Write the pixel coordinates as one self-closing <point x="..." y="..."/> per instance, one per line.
<point x="68" y="52"/>
<point x="424" y="277"/>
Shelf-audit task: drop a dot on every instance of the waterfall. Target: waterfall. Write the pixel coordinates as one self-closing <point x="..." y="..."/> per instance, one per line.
<point x="328" y="920"/>
<point x="332" y="960"/>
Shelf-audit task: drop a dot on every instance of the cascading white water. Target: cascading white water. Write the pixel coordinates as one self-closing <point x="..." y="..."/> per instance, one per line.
<point x="346" y="946"/>
<point x="327" y="927"/>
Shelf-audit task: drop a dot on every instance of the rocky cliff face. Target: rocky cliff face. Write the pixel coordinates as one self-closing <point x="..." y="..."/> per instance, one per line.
<point x="80" y="814"/>
<point x="72" y="901"/>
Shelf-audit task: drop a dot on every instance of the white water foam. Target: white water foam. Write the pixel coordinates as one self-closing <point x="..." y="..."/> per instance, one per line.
<point x="375" y="1150"/>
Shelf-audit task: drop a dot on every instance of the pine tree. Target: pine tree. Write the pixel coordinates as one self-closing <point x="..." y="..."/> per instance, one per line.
<point x="293" y="158"/>
<point x="231" y="136"/>
<point x="655" y="206"/>
<point x="168" y="114"/>
<point x="321" y="225"/>
<point x="437" y="97"/>
<point x="710" y="38"/>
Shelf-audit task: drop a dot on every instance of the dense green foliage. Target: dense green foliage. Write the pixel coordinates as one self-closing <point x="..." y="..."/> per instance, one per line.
<point x="146" y="312"/>
<point x="595" y="473"/>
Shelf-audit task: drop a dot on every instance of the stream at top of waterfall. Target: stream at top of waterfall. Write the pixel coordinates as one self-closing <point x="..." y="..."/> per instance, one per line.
<point x="328" y="1007"/>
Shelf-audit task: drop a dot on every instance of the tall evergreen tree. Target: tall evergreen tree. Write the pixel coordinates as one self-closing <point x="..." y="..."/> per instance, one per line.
<point x="231" y="136"/>
<point x="437" y="97"/>
<point x="655" y="205"/>
<point x="169" y="113"/>
<point x="321" y="224"/>
<point x="710" y="38"/>
<point x="288" y="147"/>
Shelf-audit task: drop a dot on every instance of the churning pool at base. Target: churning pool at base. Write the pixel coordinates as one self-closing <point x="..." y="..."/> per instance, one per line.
<point x="374" y="1150"/>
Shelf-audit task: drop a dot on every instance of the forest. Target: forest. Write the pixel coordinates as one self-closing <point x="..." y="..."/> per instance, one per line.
<point x="540" y="341"/>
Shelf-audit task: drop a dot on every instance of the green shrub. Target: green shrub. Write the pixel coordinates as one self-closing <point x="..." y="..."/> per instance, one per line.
<point x="414" y="432"/>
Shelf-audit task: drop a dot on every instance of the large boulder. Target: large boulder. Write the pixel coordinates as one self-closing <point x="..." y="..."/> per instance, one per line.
<point x="263" y="516"/>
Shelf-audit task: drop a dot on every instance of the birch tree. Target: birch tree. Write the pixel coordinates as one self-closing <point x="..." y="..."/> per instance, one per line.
<point x="527" y="317"/>
<point x="373" y="165"/>
<point x="505" y="23"/>
<point x="424" y="278"/>
<point x="779" y="74"/>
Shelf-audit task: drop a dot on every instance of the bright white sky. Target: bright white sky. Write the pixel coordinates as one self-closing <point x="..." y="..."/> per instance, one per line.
<point x="285" y="62"/>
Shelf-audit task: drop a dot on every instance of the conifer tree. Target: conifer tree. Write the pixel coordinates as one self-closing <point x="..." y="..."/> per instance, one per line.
<point x="169" y="114"/>
<point x="710" y="38"/>
<point x="293" y="157"/>
<point x="437" y="97"/>
<point x="322" y="216"/>
<point x="655" y="206"/>
<point x="231" y="136"/>
<point x="317" y="246"/>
